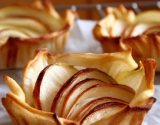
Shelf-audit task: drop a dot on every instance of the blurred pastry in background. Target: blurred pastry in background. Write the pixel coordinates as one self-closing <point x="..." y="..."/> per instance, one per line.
<point x="23" y="29"/>
<point x="122" y="29"/>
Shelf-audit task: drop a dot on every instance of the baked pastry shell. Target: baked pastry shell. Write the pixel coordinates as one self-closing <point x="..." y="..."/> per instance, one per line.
<point x="16" y="52"/>
<point x="143" y="46"/>
<point x="21" y="111"/>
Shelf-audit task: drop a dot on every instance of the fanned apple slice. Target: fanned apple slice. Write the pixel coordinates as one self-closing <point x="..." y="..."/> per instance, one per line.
<point x="5" y="34"/>
<point x="141" y="80"/>
<point x="102" y="111"/>
<point x="52" y="22"/>
<point x="76" y="91"/>
<point x="130" y="115"/>
<point x="104" y="90"/>
<point x="29" y="32"/>
<point x="87" y="105"/>
<point x="25" y="22"/>
<point x="132" y="79"/>
<point x="139" y="28"/>
<point x="121" y="12"/>
<point x="146" y="88"/>
<point x="133" y="115"/>
<point x="31" y="72"/>
<point x="103" y="28"/>
<point x="49" y="82"/>
<point x="148" y="16"/>
<point x="152" y="30"/>
<point x="117" y="28"/>
<point x="127" y="31"/>
<point x="113" y="64"/>
<point x="106" y="29"/>
<point x="30" y="116"/>
<point x="127" y="117"/>
<point x="13" y="33"/>
<point x="59" y="100"/>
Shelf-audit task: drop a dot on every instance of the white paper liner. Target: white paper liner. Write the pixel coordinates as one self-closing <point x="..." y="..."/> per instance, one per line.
<point x="80" y="40"/>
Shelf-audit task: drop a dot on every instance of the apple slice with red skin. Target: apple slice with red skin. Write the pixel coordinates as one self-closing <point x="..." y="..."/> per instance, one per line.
<point x="121" y="92"/>
<point x="102" y="111"/>
<point x="49" y="82"/>
<point x="76" y="91"/>
<point x="86" y="106"/>
<point x="59" y="100"/>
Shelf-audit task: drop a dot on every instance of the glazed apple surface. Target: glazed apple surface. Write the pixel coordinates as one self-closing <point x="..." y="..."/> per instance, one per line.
<point x="83" y="89"/>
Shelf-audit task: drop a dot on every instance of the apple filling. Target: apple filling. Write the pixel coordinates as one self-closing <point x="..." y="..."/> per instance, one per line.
<point x="121" y="22"/>
<point x="55" y="91"/>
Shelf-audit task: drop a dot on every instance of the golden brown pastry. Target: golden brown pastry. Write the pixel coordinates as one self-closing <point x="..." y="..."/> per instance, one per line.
<point x="82" y="89"/>
<point x="121" y="30"/>
<point x="23" y="29"/>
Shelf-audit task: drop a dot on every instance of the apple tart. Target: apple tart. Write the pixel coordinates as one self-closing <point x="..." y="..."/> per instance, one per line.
<point x="82" y="89"/>
<point x="121" y="30"/>
<point x="24" y="29"/>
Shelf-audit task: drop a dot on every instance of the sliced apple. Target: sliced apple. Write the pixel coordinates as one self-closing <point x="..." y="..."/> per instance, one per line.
<point x="122" y="13"/>
<point x="146" y="88"/>
<point x="105" y="25"/>
<point x="31" y="72"/>
<point x="76" y="91"/>
<point x="133" y="115"/>
<point x="15" y="88"/>
<point x="139" y="28"/>
<point x="149" y="16"/>
<point x="49" y="82"/>
<point x="127" y="31"/>
<point x="29" y="32"/>
<point x="6" y="33"/>
<point x="113" y="64"/>
<point x="126" y="116"/>
<point x="63" y="93"/>
<point x="121" y="92"/>
<point x="117" y="28"/>
<point x="141" y="80"/>
<point x="87" y="105"/>
<point x="132" y="79"/>
<point x="102" y="111"/>
<point x="25" y="22"/>
<point x="52" y="22"/>
<point x="152" y="30"/>
<point x="23" y="114"/>
<point x="129" y="115"/>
